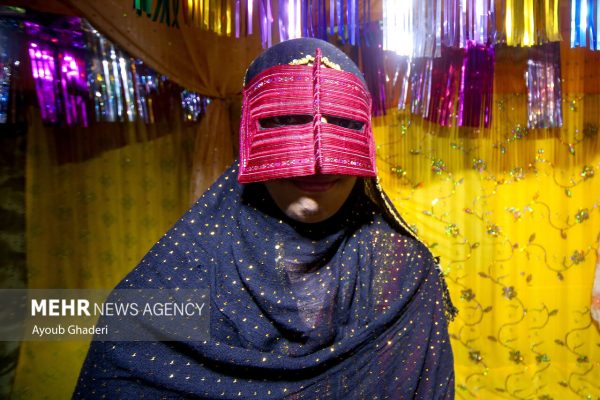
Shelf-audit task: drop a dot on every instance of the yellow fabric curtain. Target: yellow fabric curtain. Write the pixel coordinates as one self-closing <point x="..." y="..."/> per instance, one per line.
<point x="91" y="219"/>
<point x="514" y="215"/>
<point x="214" y="151"/>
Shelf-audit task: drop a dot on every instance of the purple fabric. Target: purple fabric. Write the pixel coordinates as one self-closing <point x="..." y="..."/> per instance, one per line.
<point x="352" y="21"/>
<point x="237" y="18"/>
<point x="249" y="17"/>
<point x="445" y="78"/>
<point x="262" y="17"/>
<point x="373" y="66"/>
<point x="322" y="20"/>
<point x="476" y="89"/>
<point x="339" y="7"/>
<point x="331" y="16"/>
<point x="420" y="86"/>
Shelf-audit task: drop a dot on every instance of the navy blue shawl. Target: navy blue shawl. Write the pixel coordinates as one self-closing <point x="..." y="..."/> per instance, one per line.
<point x="351" y="308"/>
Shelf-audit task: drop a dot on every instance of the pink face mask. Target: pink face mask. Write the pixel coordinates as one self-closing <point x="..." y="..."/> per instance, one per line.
<point x="302" y="120"/>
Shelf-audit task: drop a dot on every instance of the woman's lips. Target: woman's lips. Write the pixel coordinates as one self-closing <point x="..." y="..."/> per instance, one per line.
<point x="314" y="184"/>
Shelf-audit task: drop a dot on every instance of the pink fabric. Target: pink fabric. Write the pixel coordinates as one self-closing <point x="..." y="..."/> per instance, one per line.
<point x="313" y="148"/>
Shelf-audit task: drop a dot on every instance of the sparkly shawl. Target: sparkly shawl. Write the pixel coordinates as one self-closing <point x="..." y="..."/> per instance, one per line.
<point x="350" y="308"/>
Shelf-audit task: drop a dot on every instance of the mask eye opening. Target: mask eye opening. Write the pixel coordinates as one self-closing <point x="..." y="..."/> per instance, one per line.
<point x="345" y="123"/>
<point x="279" y="121"/>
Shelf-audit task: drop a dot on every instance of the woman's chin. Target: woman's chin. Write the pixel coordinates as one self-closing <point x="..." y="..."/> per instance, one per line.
<point x="311" y="199"/>
<point x="306" y="210"/>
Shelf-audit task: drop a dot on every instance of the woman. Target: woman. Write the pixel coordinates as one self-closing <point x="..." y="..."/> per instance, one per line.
<point x="317" y="289"/>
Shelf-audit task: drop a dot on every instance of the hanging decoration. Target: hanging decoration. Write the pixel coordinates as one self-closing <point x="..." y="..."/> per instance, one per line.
<point x="420" y="86"/>
<point x="194" y="105"/>
<point x="309" y="18"/>
<point x="458" y="85"/>
<point x="302" y="18"/>
<point x="397" y="77"/>
<point x="79" y="74"/>
<point x="468" y="20"/>
<point x="44" y="75"/>
<point x="372" y="58"/>
<point x="398" y="32"/>
<point x="295" y="18"/>
<point x="476" y="86"/>
<point x="544" y="87"/>
<point x="218" y="17"/>
<point x="445" y="78"/>
<point x="430" y="33"/>
<point x="73" y="88"/>
<point x="8" y="67"/>
<point x="412" y="28"/>
<point x="249" y="13"/>
<point x="432" y="80"/>
<point x="529" y="22"/>
<point x="58" y="72"/>
<point x="314" y="18"/>
<point x="289" y="19"/>
<point x="237" y="24"/>
<point x="143" y="6"/>
<point x="321" y="29"/>
<point x="5" y="74"/>
<point x="585" y="22"/>
<point x="111" y="79"/>
<point x="126" y="89"/>
<point x="191" y="13"/>
<point x="266" y="23"/>
<point x="352" y="15"/>
<point x="146" y="84"/>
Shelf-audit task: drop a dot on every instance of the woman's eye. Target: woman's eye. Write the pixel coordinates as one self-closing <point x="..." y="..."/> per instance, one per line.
<point x="290" y="120"/>
<point x="284" y="120"/>
<point x="345" y="123"/>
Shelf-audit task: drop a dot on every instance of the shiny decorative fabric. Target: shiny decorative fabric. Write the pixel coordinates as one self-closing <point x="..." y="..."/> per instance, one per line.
<point x="353" y="307"/>
<point x="322" y="147"/>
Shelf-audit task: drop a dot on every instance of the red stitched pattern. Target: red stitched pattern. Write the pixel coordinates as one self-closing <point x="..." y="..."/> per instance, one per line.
<point x="306" y="149"/>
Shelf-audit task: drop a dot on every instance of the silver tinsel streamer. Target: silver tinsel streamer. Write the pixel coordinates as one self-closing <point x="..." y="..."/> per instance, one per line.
<point x="544" y="87"/>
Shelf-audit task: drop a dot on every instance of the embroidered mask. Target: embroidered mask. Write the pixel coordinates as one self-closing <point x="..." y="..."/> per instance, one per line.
<point x="307" y="117"/>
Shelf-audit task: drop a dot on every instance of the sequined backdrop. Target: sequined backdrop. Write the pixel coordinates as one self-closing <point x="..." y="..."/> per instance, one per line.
<point x="514" y="214"/>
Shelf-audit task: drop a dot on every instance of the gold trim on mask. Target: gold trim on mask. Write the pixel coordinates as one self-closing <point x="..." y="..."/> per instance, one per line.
<point x="310" y="59"/>
<point x="305" y="61"/>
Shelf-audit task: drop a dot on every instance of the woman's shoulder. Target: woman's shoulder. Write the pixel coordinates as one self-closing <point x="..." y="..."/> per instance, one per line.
<point x="383" y="236"/>
<point x="176" y="260"/>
